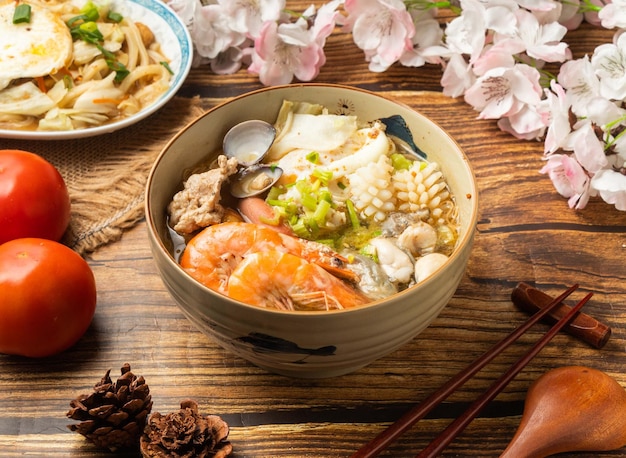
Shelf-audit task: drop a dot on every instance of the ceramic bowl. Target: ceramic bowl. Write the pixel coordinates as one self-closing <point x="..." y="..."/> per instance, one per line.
<point x="308" y="344"/>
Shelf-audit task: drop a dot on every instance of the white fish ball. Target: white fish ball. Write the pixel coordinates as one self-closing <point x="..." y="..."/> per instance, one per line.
<point x="426" y="265"/>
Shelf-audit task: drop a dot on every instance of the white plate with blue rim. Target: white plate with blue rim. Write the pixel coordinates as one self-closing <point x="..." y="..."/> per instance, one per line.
<point x="175" y="41"/>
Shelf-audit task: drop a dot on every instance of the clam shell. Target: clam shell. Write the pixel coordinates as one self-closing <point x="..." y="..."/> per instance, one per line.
<point x="254" y="180"/>
<point x="249" y="141"/>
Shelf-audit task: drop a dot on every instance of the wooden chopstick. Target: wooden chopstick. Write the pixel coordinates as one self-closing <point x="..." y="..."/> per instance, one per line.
<point x="386" y="437"/>
<point x="457" y="426"/>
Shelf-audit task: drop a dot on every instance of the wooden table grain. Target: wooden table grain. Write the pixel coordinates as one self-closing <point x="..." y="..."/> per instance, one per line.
<point x="525" y="232"/>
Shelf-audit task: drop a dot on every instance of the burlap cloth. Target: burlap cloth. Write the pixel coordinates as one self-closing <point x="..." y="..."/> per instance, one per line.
<point x="106" y="175"/>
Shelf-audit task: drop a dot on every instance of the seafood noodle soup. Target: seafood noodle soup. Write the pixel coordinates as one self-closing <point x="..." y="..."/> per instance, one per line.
<point x="315" y="212"/>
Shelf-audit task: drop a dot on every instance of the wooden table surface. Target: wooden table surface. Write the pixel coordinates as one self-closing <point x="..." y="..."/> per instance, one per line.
<point x="525" y="232"/>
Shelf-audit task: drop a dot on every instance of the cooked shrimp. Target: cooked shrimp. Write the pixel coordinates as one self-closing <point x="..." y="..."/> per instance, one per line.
<point x="212" y="255"/>
<point x="275" y="279"/>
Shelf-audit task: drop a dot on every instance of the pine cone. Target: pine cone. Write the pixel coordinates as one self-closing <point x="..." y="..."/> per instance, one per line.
<point x="114" y="415"/>
<point x="185" y="434"/>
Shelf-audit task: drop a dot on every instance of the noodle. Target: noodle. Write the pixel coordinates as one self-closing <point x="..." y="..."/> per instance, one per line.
<point x="84" y="93"/>
<point x="134" y="40"/>
<point x="142" y="72"/>
<point x="132" y="43"/>
<point x="94" y="69"/>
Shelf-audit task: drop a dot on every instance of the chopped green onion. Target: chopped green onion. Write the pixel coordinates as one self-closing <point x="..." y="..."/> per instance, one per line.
<point x="90" y="12"/>
<point x="341" y="185"/>
<point x="315" y="186"/>
<point x="283" y="207"/>
<point x="274" y="192"/>
<point x="325" y="194"/>
<point x="309" y="201"/>
<point x="313" y="157"/>
<point x="21" y="15"/>
<point x="119" y="68"/>
<point x="352" y="216"/>
<point x="293" y="219"/>
<point x="303" y="186"/>
<point x="400" y="162"/>
<point x="71" y="21"/>
<point x="86" y="31"/>
<point x="273" y="221"/>
<point x="91" y="28"/>
<point x="319" y="215"/>
<point x="167" y="67"/>
<point x="115" y="17"/>
<point x="323" y="175"/>
<point x="83" y="27"/>
<point x="300" y="229"/>
<point x="277" y="203"/>
<point x="370" y="251"/>
<point x="314" y="228"/>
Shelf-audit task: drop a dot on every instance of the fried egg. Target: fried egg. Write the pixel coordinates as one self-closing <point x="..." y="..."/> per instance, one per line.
<point x="29" y="50"/>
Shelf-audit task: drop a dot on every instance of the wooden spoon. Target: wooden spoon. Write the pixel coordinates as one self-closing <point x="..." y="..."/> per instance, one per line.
<point x="570" y="409"/>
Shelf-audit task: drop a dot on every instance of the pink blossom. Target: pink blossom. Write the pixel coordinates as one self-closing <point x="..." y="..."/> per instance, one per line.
<point x="457" y="77"/>
<point x="326" y="19"/>
<point x="569" y="179"/>
<point x="284" y="51"/>
<point x="381" y="28"/>
<point x="592" y="17"/>
<point x="502" y="92"/>
<point x="500" y="54"/>
<point x="529" y="123"/>
<point x="570" y="17"/>
<point x="589" y="150"/>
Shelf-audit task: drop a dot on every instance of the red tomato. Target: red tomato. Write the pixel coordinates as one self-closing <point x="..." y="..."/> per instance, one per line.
<point x="48" y="296"/>
<point x="34" y="201"/>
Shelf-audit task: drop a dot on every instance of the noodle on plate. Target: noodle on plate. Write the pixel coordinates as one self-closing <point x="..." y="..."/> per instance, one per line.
<point x="71" y="66"/>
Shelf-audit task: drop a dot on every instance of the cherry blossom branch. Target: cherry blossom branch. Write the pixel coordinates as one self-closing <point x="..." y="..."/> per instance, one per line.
<point x="492" y="53"/>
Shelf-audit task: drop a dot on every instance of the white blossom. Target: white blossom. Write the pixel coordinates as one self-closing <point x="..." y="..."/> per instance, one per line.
<point x="609" y="64"/>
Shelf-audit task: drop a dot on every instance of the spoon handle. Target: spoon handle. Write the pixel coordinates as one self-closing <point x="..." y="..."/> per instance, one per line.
<point x="583" y="327"/>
